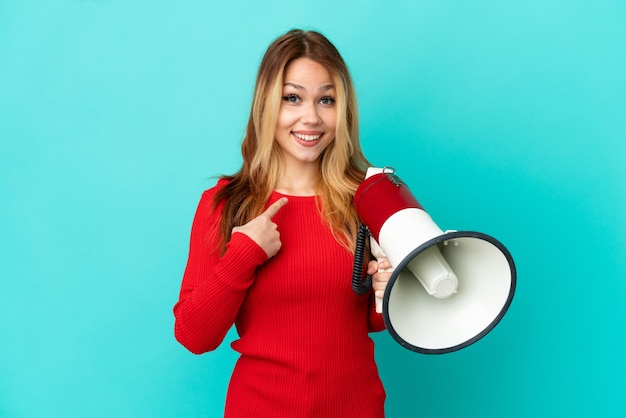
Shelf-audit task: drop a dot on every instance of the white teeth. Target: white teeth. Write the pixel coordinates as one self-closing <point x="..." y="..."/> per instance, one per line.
<point x="307" y="137"/>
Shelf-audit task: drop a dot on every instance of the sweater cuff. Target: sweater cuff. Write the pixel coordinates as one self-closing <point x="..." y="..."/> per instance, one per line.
<point x="242" y="257"/>
<point x="376" y="320"/>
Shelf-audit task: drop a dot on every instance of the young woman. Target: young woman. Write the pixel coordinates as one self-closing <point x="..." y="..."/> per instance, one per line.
<point x="272" y="248"/>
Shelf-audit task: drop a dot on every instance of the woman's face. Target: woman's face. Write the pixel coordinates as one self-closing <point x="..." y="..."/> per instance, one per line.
<point x="307" y="114"/>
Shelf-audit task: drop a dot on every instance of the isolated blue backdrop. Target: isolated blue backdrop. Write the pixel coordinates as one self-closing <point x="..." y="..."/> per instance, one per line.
<point x="503" y="117"/>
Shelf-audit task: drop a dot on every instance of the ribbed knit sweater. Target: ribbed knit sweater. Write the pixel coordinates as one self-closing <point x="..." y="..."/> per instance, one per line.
<point x="303" y="333"/>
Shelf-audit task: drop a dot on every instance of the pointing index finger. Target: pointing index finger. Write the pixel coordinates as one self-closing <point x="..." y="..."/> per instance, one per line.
<point x="273" y="209"/>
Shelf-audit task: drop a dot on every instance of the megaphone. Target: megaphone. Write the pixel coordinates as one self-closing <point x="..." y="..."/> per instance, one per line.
<point x="447" y="289"/>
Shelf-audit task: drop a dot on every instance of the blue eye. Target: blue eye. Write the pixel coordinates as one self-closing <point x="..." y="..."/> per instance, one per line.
<point x="291" y="98"/>
<point x="327" y="100"/>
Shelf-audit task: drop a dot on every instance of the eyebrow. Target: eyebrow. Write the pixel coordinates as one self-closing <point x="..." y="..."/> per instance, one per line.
<point x="325" y="87"/>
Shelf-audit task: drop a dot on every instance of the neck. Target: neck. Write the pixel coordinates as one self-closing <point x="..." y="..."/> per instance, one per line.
<point x="301" y="182"/>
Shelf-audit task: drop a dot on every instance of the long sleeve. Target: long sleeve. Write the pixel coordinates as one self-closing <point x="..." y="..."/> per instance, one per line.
<point x="213" y="286"/>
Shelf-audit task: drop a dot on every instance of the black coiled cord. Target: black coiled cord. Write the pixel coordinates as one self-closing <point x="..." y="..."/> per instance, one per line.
<point x="360" y="285"/>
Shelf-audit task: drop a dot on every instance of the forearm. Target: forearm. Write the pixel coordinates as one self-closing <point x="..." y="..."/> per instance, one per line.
<point x="211" y="295"/>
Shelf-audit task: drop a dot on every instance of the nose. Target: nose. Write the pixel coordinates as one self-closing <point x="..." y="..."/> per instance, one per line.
<point x="310" y="114"/>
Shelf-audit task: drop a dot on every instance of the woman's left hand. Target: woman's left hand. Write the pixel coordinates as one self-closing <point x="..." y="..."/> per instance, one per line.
<point x="381" y="272"/>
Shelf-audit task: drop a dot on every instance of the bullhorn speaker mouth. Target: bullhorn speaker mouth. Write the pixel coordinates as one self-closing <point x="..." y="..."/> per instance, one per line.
<point x="426" y="324"/>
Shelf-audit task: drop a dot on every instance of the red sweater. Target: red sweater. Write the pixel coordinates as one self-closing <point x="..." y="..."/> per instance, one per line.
<point x="303" y="333"/>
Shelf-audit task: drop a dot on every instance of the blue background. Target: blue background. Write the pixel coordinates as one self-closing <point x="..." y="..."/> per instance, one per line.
<point x="505" y="117"/>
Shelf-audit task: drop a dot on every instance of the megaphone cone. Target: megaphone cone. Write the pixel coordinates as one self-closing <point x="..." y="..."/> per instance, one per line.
<point x="447" y="289"/>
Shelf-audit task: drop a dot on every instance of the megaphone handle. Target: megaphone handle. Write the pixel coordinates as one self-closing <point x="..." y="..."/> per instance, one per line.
<point x="380" y="256"/>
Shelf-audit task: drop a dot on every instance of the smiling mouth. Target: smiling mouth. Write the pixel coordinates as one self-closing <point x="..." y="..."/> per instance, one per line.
<point x="307" y="138"/>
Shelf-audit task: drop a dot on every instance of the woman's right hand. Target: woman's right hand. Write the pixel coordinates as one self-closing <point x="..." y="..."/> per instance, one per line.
<point x="263" y="230"/>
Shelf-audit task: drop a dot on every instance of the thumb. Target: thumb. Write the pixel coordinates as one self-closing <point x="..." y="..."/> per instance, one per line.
<point x="273" y="209"/>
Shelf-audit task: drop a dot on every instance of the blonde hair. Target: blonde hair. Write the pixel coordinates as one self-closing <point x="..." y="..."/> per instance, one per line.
<point x="342" y="165"/>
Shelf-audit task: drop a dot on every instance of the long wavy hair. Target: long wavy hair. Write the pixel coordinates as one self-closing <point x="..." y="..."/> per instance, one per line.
<point x="342" y="165"/>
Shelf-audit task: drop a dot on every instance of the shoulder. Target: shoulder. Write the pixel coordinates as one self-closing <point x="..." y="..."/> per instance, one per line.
<point x="210" y="201"/>
<point x="210" y="193"/>
<point x="220" y="185"/>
